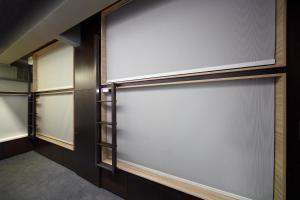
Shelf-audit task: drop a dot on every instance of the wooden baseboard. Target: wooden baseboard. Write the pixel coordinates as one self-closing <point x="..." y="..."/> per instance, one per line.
<point x="55" y="141"/>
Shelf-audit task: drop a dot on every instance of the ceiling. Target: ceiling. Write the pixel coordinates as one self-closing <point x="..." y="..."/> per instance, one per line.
<point x="26" y="25"/>
<point x="17" y="16"/>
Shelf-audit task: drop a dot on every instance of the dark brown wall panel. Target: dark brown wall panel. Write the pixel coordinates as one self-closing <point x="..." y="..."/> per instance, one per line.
<point x="132" y="187"/>
<point x="85" y="101"/>
<point x="85" y="135"/>
<point x="15" y="147"/>
<point x="293" y="99"/>
<point x="116" y="183"/>
<point x="59" y="154"/>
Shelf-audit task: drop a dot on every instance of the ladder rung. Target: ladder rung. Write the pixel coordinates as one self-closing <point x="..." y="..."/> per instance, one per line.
<point x="104" y="101"/>
<point x="105" y="166"/>
<point x="106" y="123"/>
<point x="105" y="144"/>
<point x="108" y="85"/>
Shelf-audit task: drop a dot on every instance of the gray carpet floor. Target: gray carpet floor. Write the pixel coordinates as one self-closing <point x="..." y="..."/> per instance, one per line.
<point x="31" y="176"/>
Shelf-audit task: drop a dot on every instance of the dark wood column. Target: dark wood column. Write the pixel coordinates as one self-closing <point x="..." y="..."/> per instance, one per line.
<point x="293" y="99"/>
<point x="15" y="147"/>
<point x="85" y="101"/>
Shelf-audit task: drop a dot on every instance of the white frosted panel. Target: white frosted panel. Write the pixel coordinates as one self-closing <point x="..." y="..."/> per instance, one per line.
<point x="161" y="37"/>
<point x="55" y="68"/>
<point x="56" y="116"/>
<point x="217" y="134"/>
<point x="13" y="86"/>
<point x="13" y="117"/>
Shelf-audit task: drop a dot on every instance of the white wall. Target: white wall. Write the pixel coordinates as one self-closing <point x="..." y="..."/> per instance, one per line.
<point x="13" y="117"/>
<point x="55" y="68"/>
<point x="56" y="116"/>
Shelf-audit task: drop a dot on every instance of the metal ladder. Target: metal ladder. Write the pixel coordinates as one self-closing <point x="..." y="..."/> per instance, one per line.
<point x="31" y="108"/>
<point x="31" y="115"/>
<point x="108" y="89"/>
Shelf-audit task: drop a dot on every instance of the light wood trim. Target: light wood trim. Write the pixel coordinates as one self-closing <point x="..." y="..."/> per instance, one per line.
<point x="56" y="93"/>
<point x="55" y="141"/>
<point x="114" y="7"/>
<point x="281" y="6"/>
<point x="280" y="146"/>
<point x="199" y="192"/>
<point x="47" y="48"/>
<point x="57" y="89"/>
<point x="280" y="49"/>
<point x="204" y="81"/>
<point x="280" y="139"/>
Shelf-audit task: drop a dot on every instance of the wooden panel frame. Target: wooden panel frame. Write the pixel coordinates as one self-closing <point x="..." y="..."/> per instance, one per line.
<point x="52" y="91"/>
<point x="202" y="192"/>
<point x="279" y="189"/>
<point x="55" y="141"/>
<point x="45" y="136"/>
<point x="35" y="68"/>
<point x="280" y="51"/>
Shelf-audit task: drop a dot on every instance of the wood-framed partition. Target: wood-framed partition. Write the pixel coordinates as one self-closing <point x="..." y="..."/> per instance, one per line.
<point x="65" y="89"/>
<point x="275" y="71"/>
<point x="280" y="47"/>
<point x="280" y="144"/>
<point x="14" y="87"/>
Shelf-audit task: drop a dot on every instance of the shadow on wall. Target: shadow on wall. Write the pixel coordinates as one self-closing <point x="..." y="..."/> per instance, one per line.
<point x="141" y="6"/>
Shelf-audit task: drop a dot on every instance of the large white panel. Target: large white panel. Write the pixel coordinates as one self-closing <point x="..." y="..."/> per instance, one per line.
<point x="56" y="116"/>
<point x="13" y="117"/>
<point x="164" y="37"/>
<point x="218" y="134"/>
<point x="55" y="68"/>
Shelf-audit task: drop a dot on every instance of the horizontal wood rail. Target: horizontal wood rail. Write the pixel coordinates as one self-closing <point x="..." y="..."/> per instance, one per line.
<point x="55" y="141"/>
<point x="55" y="92"/>
<point x="13" y="93"/>
<point x="204" y="78"/>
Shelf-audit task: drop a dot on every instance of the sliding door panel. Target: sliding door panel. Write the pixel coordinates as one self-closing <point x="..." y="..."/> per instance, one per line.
<point x="55" y="116"/>
<point x="218" y="134"/>
<point x="55" y="67"/>
<point x="147" y="39"/>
